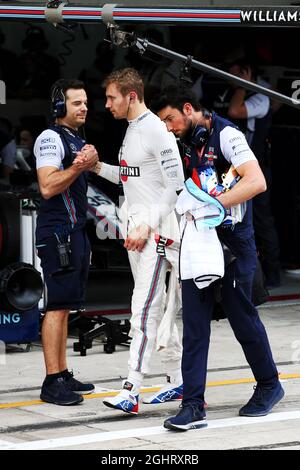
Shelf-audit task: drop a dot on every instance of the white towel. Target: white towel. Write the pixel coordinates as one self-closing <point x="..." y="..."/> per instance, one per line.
<point x="201" y="255"/>
<point x="198" y="209"/>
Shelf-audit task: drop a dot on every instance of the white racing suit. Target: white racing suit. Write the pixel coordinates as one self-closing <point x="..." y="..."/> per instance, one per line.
<point x="154" y="311"/>
<point x="151" y="172"/>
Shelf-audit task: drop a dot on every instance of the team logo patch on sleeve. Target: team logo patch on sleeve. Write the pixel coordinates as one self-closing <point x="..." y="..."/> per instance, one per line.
<point x="128" y="171"/>
<point x="48" y="140"/>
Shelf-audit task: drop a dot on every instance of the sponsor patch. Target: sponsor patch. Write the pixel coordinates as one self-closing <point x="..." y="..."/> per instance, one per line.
<point x="48" y="147"/>
<point x="128" y="171"/>
<point x="235" y="138"/>
<point x="47" y="140"/>
<point x="169" y="160"/>
<point x="166" y="152"/>
<point x="73" y="147"/>
<point x="171" y="166"/>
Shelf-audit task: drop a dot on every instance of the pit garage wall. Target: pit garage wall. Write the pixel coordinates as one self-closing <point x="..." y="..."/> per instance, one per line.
<point x="286" y="135"/>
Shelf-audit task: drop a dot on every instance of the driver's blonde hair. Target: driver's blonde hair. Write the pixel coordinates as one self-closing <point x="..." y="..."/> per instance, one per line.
<point x="126" y="80"/>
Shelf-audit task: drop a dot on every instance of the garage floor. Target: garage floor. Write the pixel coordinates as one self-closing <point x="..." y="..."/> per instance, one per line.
<point x="27" y="423"/>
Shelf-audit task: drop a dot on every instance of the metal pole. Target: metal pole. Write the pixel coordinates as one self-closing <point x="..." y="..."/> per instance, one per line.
<point x="218" y="73"/>
<point x="59" y="12"/>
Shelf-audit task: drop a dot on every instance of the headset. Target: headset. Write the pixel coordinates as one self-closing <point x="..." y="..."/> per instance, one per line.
<point x="197" y="135"/>
<point x="58" y="103"/>
<point x="131" y="96"/>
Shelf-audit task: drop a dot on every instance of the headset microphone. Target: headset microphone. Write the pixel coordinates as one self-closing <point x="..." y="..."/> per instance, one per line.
<point x="58" y="103"/>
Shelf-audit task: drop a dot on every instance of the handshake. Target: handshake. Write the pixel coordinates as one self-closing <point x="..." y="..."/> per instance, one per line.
<point x="87" y="159"/>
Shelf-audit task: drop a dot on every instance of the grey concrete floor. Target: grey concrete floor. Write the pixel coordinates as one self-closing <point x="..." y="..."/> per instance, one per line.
<point x="27" y="423"/>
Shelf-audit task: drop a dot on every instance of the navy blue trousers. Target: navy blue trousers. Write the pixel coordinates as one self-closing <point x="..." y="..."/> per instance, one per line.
<point x="67" y="291"/>
<point x="197" y="306"/>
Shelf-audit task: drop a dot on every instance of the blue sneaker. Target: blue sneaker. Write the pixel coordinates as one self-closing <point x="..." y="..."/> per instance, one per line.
<point x="169" y="392"/>
<point x="58" y="393"/>
<point x="76" y="386"/>
<point x="262" y="400"/>
<point x="189" y="417"/>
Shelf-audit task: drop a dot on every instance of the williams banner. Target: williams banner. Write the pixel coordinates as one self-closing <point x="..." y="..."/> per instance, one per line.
<point x="282" y="16"/>
<point x="57" y="11"/>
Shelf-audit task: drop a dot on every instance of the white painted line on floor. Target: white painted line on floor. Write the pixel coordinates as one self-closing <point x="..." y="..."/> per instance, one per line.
<point x="243" y="420"/>
<point x="151" y="431"/>
<point x="88" y="438"/>
<point x="4" y="444"/>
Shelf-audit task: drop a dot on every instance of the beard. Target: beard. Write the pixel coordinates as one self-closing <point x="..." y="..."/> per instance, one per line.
<point x="187" y="133"/>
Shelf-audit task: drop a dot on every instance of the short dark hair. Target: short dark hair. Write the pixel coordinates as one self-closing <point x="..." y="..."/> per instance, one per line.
<point x="126" y="80"/>
<point x="175" y="97"/>
<point x="244" y="63"/>
<point x="65" y="84"/>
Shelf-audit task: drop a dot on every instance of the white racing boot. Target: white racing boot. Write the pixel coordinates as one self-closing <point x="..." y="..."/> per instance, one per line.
<point x="127" y="400"/>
